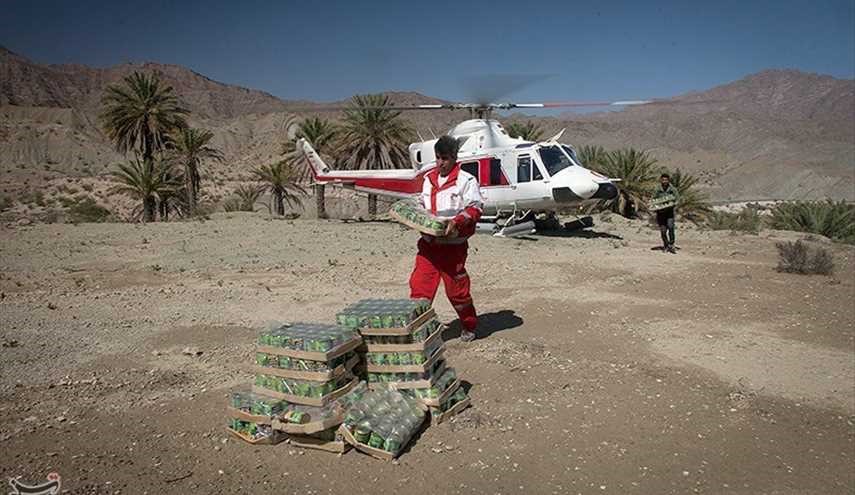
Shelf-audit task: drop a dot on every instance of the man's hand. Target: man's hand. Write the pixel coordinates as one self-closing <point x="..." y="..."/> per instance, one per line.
<point x="451" y="229"/>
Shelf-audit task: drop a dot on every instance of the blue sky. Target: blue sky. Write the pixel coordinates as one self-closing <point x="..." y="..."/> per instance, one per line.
<point x="330" y="50"/>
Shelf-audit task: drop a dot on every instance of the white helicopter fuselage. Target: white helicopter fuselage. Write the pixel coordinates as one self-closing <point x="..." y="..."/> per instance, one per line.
<point x="514" y="174"/>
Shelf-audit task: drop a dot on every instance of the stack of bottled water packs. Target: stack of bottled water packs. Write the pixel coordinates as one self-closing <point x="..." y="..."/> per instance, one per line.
<point x="383" y="419"/>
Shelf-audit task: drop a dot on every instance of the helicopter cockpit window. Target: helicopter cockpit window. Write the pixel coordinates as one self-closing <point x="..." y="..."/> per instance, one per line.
<point x="570" y="151"/>
<point x="524" y="169"/>
<point x="554" y="160"/>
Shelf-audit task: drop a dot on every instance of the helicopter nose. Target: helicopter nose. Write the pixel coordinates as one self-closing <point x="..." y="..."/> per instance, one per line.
<point x="606" y="190"/>
<point x="575" y="190"/>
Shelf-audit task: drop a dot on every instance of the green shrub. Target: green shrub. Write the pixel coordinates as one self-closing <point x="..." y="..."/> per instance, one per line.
<point x="52" y="215"/>
<point x="87" y="210"/>
<point x="33" y="197"/>
<point x="747" y="220"/>
<point x="244" y="198"/>
<point x="835" y="220"/>
<point x="799" y="257"/>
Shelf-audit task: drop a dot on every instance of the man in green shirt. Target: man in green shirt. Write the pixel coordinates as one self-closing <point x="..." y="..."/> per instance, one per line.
<point x="665" y="216"/>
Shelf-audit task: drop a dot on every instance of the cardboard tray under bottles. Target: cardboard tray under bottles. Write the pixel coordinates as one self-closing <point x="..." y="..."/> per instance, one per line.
<point x="456" y="408"/>
<point x="312" y="355"/>
<point x="236" y="413"/>
<point x="414" y="347"/>
<point x="307" y="428"/>
<point x="307" y="442"/>
<point x="411" y="327"/>
<point x="416" y="226"/>
<point x="272" y="439"/>
<point x="412" y="384"/>
<point x="307" y="401"/>
<point x="407" y="368"/>
<point x="443" y="396"/>
<point x="314" y="376"/>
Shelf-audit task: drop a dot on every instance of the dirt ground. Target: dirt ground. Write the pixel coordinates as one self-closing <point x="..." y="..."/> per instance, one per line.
<point x="603" y="366"/>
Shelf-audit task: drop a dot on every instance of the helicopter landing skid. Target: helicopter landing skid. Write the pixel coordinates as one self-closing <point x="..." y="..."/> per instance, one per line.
<point x="519" y="223"/>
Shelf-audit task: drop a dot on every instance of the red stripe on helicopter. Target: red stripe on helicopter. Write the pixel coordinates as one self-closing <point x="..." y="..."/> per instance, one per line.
<point x="406" y="186"/>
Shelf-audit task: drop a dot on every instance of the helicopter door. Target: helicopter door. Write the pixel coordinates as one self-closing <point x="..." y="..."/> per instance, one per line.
<point x="531" y="191"/>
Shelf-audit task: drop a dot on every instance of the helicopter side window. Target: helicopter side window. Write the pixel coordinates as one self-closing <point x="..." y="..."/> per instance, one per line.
<point x="497" y="176"/>
<point x="471" y="168"/>
<point x="524" y="168"/>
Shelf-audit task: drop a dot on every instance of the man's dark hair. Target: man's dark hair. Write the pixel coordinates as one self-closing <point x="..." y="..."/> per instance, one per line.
<point x="447" y="146"/>
<point x="666" y="176"/>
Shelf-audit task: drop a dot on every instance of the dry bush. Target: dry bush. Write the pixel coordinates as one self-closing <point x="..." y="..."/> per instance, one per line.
<point x="800" y="257"/>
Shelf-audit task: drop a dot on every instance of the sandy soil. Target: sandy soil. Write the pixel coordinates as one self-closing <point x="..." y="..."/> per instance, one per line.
<point x="603" y="366"/>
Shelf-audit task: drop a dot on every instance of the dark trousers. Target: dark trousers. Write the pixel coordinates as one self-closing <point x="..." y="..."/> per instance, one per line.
<point x="667" y="232"/>
<point x="666" y="229"/>
<point x="665" y="219"/>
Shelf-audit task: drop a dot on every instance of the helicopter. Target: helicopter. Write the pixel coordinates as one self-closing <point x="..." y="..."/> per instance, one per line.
<point x="518" y="178"/>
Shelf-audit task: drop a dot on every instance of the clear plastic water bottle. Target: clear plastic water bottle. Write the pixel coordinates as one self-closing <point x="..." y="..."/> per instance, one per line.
<point x="395" y="439"/>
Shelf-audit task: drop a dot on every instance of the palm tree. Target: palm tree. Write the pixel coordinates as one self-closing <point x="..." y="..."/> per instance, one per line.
<point x="638" y="173"/>
<point x="321" y="133"/>
<point x="172" y="199"/>
<point x="139" y="115"/>
<point x="529" y="131"/>
<point x="188" y="147"/>
<point x="147" y="181"/>
<point x="374" y="137"/>
<point x="693" y="203"/>
<point x="281" y="180"/>
<point x="592" y="156"/>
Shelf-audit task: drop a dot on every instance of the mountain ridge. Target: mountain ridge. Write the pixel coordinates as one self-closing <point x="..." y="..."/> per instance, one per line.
<point x="776" y="133"/>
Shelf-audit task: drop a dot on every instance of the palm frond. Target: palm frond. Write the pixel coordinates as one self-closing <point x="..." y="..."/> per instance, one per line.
<point x="638" y="172"/>
<point x="528" y="130"/>
<point x="321" y="134"/>
<point x="373" y="137"/>
<point x="693" y="203"/>
<point x="139" y="114"/>
<point x="281" y="179"/>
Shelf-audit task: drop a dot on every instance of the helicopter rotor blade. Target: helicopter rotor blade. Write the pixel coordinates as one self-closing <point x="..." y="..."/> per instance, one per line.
<point x="619" y="103"/>
<point x="483" y="90"/>
<point x="500" y="106"/>
<point x="342" y="108"/>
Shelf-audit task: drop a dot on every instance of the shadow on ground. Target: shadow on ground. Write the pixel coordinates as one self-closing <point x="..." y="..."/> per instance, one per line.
<point x="488" y="324"/>
<point x="579" y="234"/>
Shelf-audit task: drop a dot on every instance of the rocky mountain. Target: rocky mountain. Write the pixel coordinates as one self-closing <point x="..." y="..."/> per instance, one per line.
<point x="777" y="134"/>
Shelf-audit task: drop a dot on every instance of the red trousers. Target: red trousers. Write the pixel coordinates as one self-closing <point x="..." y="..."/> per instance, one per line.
<point x="446" y="262"/>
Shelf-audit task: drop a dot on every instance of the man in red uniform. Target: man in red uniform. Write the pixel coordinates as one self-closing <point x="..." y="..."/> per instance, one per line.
<point x="448" y="192"/>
